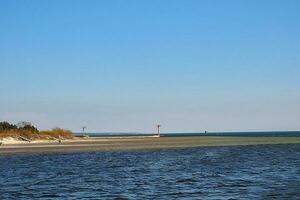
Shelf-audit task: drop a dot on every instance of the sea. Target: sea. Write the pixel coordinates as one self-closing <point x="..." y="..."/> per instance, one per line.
<point x="231" y="172"/>
<point x="185" y="134"/>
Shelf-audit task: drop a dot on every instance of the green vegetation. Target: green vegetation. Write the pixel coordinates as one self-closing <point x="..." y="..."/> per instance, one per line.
<point x="5" y="126"/>
<point x="26" y="131"/>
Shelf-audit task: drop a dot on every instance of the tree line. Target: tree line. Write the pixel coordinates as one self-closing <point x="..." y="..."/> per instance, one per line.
<point x="27" y="126"/>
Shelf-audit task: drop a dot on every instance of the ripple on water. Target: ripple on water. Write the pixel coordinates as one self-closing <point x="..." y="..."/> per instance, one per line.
<point x="241" y="172"/>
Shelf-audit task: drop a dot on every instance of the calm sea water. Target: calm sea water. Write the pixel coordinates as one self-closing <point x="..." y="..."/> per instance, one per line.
<point x="239" y="172"/>
<point x="240" y="134"/>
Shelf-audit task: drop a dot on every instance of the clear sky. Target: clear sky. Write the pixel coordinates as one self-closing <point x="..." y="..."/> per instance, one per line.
<point x="126" y="65"/>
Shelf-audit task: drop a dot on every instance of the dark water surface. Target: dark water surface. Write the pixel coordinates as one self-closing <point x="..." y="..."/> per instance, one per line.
<point x="230" y="134"/>
<point x="240" y="172"/>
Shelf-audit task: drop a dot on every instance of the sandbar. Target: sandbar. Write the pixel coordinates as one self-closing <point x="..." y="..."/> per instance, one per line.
<point x="137" y="143"/>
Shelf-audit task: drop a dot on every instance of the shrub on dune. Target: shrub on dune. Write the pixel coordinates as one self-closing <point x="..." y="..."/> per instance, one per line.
<point x="26" y="131"/>
<point x="58" y="133"/>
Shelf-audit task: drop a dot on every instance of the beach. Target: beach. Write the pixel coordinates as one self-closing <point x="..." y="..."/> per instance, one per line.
<point x="136" y="143"/>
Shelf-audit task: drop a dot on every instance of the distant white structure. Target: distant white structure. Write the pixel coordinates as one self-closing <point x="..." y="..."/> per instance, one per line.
<point x="83" y="128"/>
<point x="158" y="130"/>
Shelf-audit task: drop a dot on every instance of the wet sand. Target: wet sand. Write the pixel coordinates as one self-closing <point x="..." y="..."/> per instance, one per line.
<point x="138" y="143"/>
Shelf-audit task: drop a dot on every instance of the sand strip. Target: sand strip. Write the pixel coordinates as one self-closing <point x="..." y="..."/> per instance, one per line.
<point x="139" y="143"/>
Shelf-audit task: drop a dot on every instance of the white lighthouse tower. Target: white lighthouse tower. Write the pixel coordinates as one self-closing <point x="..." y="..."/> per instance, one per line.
<point x="158" y="130"/>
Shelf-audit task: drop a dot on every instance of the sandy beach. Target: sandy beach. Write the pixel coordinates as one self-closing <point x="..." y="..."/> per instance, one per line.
<point x="136" y="143"/>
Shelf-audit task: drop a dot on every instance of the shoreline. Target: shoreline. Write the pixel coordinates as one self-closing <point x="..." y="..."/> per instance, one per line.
<point x="137" y="143"/>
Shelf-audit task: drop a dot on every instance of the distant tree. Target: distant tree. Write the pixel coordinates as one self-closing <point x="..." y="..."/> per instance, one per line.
<point x="30" y="128"/>
<point x="5" y="126"/>
<point x="27" y="126"/>
<point x="23" y="124"/>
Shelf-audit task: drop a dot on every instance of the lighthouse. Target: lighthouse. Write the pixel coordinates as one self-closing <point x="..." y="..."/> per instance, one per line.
<point x="83" y="133"/>
<point x="158" y="130"/>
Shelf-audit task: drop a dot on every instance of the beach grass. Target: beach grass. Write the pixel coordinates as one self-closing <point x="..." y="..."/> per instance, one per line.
<point x="29" y="135"/>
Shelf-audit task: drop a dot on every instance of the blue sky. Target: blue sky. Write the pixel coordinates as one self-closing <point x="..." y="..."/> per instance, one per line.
<point x="127" y="65"/>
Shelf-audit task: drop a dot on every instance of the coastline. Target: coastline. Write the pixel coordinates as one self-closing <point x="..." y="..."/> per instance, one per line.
<point x="137" y="143"/>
